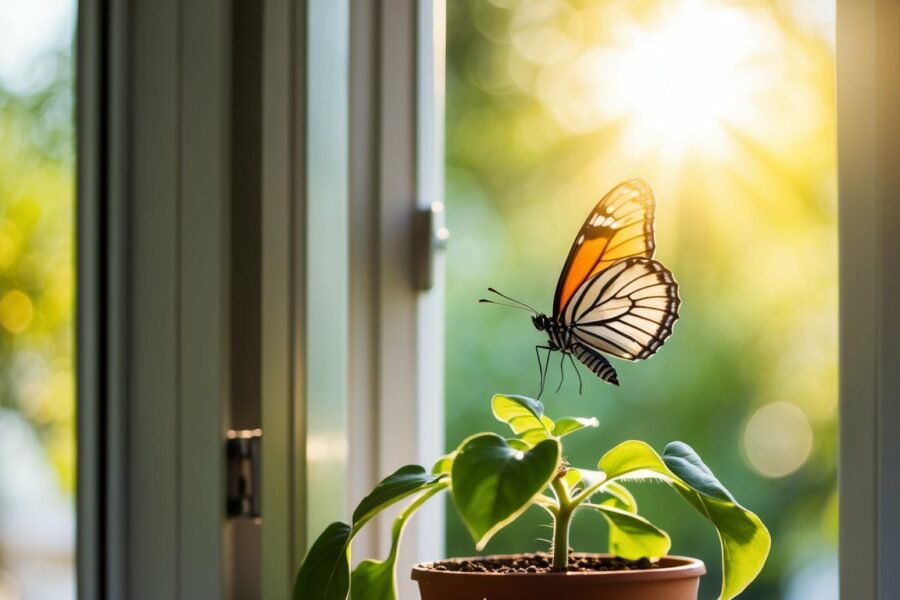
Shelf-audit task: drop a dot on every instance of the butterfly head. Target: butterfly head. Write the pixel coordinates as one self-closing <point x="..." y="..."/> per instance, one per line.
<point x="541" y="322"/>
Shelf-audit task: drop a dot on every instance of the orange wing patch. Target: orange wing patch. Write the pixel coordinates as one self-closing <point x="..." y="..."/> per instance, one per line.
<point x="619" y="227"/>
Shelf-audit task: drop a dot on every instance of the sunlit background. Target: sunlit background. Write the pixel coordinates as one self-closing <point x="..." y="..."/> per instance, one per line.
<point x="37" y="445"/>
<point x="727" y="109"/>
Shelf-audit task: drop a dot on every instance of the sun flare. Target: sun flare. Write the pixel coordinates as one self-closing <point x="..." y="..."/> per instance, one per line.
<point x="683" y="79"/>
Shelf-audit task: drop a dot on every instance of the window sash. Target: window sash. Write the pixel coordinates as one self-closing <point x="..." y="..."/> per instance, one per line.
<point x="388" y="412"/>
<point x="868" y="93"/>
<point x="152" y="344"/>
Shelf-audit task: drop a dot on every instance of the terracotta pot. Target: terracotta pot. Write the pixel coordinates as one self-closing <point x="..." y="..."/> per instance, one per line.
<point x="678" y="578"/>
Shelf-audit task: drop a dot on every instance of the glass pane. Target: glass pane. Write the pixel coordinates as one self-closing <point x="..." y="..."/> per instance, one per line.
<point x="37" y="415"/>
<point x="728" y="110"/>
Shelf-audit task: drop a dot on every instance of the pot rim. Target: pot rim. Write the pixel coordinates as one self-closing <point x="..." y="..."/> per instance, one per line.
<point x="684" y="567"/>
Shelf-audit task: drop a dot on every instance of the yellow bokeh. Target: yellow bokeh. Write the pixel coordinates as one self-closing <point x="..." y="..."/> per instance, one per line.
<point x="37" y="283"/>
<point x="16" y="311"/>
<point x="10" y="240"/>
<point x="777" y="439"/>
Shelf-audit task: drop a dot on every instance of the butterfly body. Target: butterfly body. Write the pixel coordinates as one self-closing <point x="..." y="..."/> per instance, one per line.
<point x="559" y="334"/>
<point x="612" y="298"/>
<point x="561" y="338"/>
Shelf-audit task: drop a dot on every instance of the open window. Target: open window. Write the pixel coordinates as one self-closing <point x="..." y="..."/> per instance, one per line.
<point x="259" y="195"/>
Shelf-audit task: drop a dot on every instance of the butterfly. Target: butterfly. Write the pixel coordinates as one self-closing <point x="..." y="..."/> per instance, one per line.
<point x="612" y="298"/>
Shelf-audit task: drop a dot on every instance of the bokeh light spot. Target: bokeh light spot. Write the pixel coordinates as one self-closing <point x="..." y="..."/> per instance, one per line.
<point x="10" y="238"/>
<point x="16" y="311"/>
<point x="777" y="439"/>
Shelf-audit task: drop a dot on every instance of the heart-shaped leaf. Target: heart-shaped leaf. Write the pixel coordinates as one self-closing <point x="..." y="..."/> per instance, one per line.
<point x="400" y="484"/>
<point x="325" y="573"/>
<point x="525" y="416"/>
<point x="377" y="579"/>
<point x="567" y="425"/>
<point x="507" y="407"/>
<point x="493" y="483"/>
<point x="745" y="540"/>
<point x="632" y="536"/>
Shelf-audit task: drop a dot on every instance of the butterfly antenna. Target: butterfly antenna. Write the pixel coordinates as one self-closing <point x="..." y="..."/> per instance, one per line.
<point x="532" y="309"/>
<point x="486" y="301"/>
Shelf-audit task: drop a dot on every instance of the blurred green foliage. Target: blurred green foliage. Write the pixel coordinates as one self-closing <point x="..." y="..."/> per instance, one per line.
<point x="37" y="261"/>
<point x="746" y="219"/>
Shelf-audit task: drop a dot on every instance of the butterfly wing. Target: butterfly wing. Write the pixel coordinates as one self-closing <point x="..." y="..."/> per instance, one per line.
<point x="627" y="310"/>
<point x="619" y="227"/>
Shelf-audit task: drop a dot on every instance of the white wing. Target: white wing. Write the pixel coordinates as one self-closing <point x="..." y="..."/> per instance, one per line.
<point x="628" y="310"/>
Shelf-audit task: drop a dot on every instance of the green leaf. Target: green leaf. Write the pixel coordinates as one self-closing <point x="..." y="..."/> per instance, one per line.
<point x="568" y="425"/>
<point x="517" y="444"/>
<point x="571" y="479"/>
<point x="377" y="579"/>
<point x="684" y="462"/>
<point x="525" y="416"/>
<point x="325" y="573"/>
<point x="591" y="480"/>
<point x="592" y="483"/>
<point x="533" y="437"/>
<point x="632" y="536"/>
<point x="374" y="580"/>
<point x="493" y="483"/>
<point x="745" y="540"/>
<point x="443" y="464"/>
<point x="620" y="498"/>
<point x="632" y="460"/>
<point x="403" y="482"/>
<point x="508" y="406"/>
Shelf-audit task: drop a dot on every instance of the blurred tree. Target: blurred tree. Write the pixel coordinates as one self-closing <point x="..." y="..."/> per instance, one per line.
<point x="37" y="261"/>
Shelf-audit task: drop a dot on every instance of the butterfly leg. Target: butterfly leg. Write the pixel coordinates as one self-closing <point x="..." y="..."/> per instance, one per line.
<point x="562" y="373"/>
<point x="574" y="366"/>
<point x="546" y="367"/>
<point x="542" y="368"/>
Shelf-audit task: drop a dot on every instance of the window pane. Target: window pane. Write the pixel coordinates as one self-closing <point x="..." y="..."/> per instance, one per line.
<point x="37" y="435"/>
<point x="728" y="110"/>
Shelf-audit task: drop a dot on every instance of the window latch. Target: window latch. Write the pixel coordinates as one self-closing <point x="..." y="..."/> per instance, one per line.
<point x="431" y="236"/>
<point x="242" y="450"/>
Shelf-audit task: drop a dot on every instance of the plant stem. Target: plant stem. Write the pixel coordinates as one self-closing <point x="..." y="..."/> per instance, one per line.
<point x="561" y="526"/>
<point x="406" y="513"/>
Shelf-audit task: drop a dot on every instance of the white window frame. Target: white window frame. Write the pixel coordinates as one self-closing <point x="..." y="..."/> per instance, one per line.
<point x="152" y="306"/>
<point x="364" y="99"/>
<point x="868" y="58"/>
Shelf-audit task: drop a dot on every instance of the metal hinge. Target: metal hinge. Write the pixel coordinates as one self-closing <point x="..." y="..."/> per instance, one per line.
<point x="431" y="236"/>
<point x="242" y="449"/>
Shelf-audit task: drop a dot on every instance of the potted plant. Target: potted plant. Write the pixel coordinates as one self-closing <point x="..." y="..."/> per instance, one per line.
<point x="493" y="480"/>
